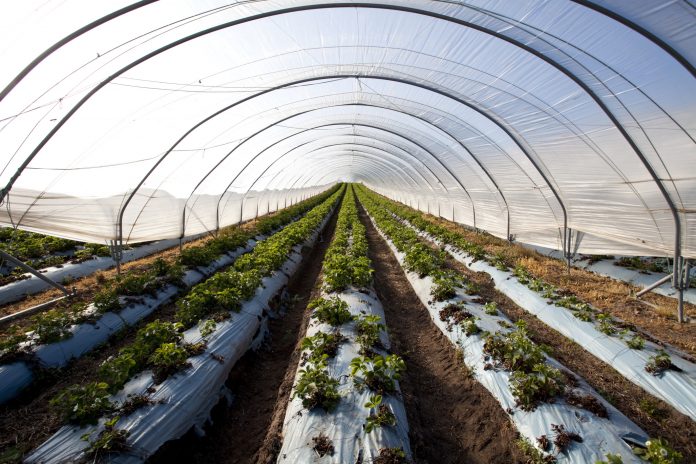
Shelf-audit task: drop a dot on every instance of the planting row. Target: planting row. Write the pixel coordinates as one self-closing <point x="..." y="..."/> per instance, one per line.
<point x="41" y="251"/>
<point x="346" y="404"/>
<point x="57" y="336"/>
<point x="141" y="399"/>
<point x="644" y="362"/>
<point x="559" y="415"/>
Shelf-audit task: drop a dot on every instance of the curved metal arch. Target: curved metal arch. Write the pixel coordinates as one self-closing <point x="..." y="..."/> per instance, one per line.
<point x="447" y="169"/>
<point x="346" y="151"/>
<point x="343" y="124"/>
<point x="67" y="39"/>
<point x="481" y="111"/>
<point x="640" y="30"/>
<point x="426" y="121"/>
<point x="275" y="123"/>
<point x="461" y="22"/>
<point x="373" y="162"/>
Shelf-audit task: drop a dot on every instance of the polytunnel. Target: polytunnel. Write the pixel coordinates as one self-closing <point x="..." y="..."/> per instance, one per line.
<point x="145" y="121"/>
<point x="567" y="126"/>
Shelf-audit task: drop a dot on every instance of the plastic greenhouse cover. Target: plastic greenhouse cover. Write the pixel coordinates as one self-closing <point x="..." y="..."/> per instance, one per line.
<point x="188" y="397"/>
<point x="344" y="425"/>
<point x="599" y="436"/>
<point x="154" y="120"/>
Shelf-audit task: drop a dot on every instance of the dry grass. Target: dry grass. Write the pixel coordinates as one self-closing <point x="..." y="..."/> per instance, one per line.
<point x="653" y="315"/>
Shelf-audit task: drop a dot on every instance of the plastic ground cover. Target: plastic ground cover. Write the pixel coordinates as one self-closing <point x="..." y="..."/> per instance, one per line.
<point x="600" y="436"/>
<point x="14" y="377"/>
<point x="17" y="290"/>
<point x="187" y="397"/>
<point x="344" y="425"/>
<point x="678" y="389"/>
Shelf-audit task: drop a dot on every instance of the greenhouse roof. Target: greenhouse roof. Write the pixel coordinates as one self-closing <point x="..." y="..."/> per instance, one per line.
<point x="564" y="124"/>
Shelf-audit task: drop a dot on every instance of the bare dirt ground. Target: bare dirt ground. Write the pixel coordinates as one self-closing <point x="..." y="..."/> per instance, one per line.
<point x="261" y="382"/>
<point x="653" y="314"/>
<point x="453" y="419"/>
<point x="655" y="416"/>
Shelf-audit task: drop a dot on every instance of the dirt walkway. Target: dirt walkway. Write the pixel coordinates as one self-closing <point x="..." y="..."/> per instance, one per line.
<point x="452" y="418"/>
<point x="258" y="383"/>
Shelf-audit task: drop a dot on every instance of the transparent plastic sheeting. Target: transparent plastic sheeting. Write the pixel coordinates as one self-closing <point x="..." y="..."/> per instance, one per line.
<point x="155" y="120"/>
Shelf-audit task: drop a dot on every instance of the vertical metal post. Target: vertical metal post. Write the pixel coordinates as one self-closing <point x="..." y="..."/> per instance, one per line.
<point x="117" y="253"/>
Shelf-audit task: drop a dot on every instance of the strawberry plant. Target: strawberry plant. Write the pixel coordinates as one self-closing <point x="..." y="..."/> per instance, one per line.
<point x="167" y="360"/>
<point x="491" y="308"/>
<point x="83" y="404"/>
<point x="636" y="342"/>
<point x="333" y="311"/>
<point x="368" y="328"/>
<point x="381" y="416"/>
<point x="658" y="363"/>
<point x="391" y="456"/>
<point x="658" y="451"/>
<point x="541" y="384"/>
<point x="322" y="344"/>
<point x="109" y="440"/>
<point x="378" y="373"/>
<point x="445" y="283"/>
<point x="316" y="388"/>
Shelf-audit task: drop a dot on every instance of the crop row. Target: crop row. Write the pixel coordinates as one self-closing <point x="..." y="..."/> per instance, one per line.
<point x="40" y="251"/>
<point x="162" y="348"/>
<point x="345" y="366"/>
<point x="54" y="325"/>
<point x="507" y="362"/>
<point x="646" y="363"/>
<point x="121" y="301"/>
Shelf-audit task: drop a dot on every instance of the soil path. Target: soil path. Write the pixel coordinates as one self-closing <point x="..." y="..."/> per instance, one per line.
<point x="258" y="382"/>
<point x="452" y="418"/>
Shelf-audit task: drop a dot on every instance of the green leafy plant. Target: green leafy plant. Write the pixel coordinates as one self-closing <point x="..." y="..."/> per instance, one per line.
<point x="611" y="458"/>
<point x="368" y="328"/>
<point x="381" y="416"/>
<point x="470" y="328"/>
<point x="491" y="308"/>
<point x="636" y="342"/>
<point x="658" y="451"/>
<point x="333" y="311"/>
<point x="542" y="383"/>
<point x="109" y="440"/>
<point x="52" y="326"/>
<point x="445" y="283"/>
<point x="322" y="344"/>
<point x="606" y="324"/>
<point x="167" y="360"/>
<point x="207" y="327"/>
<point x="391" y="456"/>
<point x="83" y="404"/>
<point x="107" y="301"/>
<point x="316" y="388"/>
<point x="658" y="363"/>
<point x="378" y="373"/>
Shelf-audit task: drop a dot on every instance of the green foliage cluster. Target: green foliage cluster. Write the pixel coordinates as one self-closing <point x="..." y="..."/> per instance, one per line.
<point x="368" y="328"/>
<point x="532" y="380"/>
<point x="158" y="345"/>
<point x="346" y="262"/>
<point x="322" y="344"/>
<point x="316" y="388"/>
<point x="381" y="416"/>
<point x="378" y="373"/>
<point x="332" y="311"/>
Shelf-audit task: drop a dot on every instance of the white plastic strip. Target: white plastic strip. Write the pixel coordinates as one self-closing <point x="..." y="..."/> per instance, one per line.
<point x="678" y="389"/>
<point x="344" y="425"/>
<point x="187" y="397"/>
<point x="17" y="290"/>
<point x="600" y="436"/>
<point x="85" y="337"/>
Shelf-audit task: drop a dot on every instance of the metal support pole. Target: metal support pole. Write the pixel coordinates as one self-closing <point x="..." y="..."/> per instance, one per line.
<point x="117" y="254"/>
<point x="666" y="278"/>
<point x="36" y="273"/>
